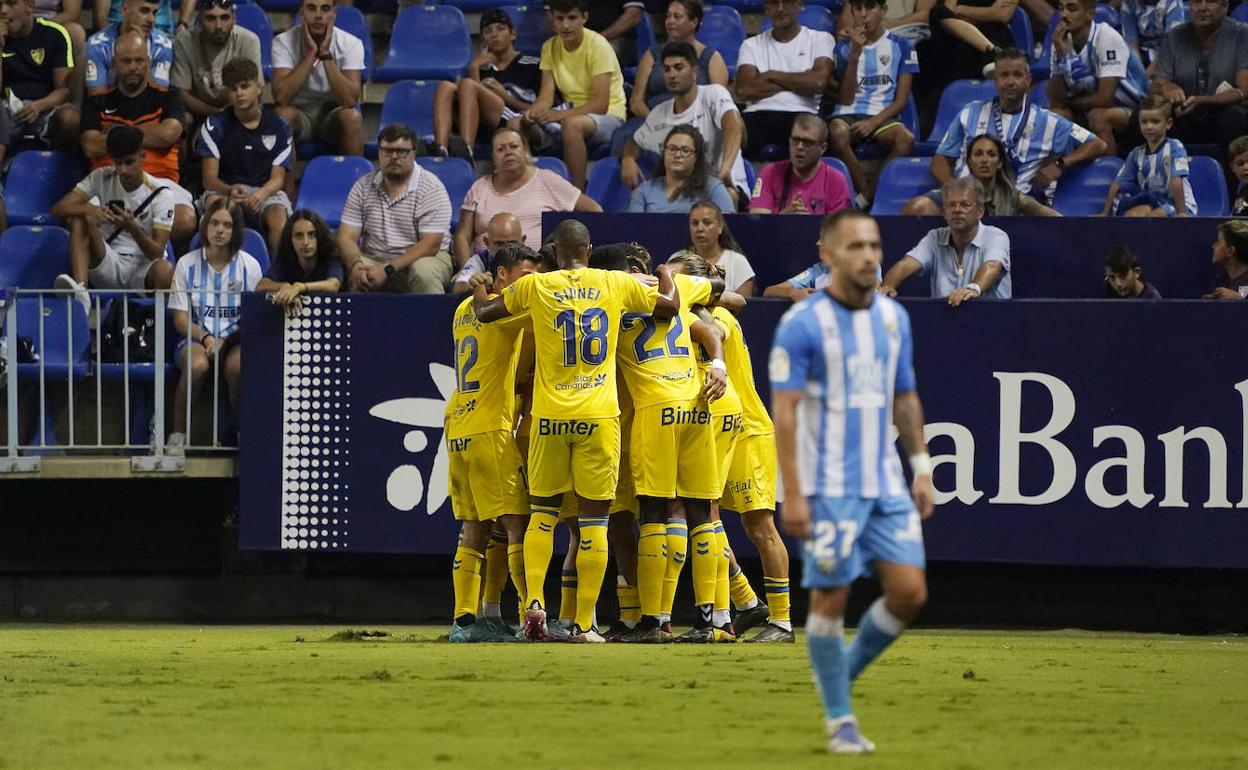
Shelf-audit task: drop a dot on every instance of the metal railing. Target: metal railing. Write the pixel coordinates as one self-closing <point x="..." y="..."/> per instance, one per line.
<point x="35" y="362"/>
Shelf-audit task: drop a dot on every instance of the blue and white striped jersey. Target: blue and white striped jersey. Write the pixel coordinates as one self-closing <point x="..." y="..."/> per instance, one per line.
<point x="1144" y="24"/>
<point x="213" y="297"/>
<point x="1031" y="136"/>
<point x="1105" y="55"/>
<point x="1150" y="172"/>
<point x="880" y="66"/>
<point x="848" y="364"/>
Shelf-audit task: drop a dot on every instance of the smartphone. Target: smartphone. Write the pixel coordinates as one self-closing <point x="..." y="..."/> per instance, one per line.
<point x="117" y="206"/>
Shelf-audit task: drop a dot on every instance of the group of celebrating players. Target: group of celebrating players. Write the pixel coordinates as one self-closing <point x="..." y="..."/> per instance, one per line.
<point x="621" y="359"/>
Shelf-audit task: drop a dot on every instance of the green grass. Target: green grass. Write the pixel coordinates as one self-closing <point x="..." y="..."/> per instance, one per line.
<point x="278" y="696"/>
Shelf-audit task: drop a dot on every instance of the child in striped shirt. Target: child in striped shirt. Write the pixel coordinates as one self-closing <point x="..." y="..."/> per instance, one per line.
<point x="1154" y="180"/>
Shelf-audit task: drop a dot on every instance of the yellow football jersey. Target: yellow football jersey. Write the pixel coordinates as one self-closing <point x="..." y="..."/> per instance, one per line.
<point x="485" y="373"/>
<point x="626" y="414"/>
<point x="757" y="421"/>
<point x="656" y="355"/>
<point x="576" y="323"/>
<point x="730" y="402"/>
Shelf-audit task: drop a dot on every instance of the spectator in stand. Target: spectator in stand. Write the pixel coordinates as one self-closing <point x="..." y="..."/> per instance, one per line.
<point x="1144" y="24"/>
<point x="38" y="59"/>
<point x="119" y="219"/>
<point x="503" y="229"/>
<point x="1122" y="275"/>
<point x="964" y="260"/>
<point x="966" y="37"/>
<point x="708" y="108"/>
<point x="1238" y="155"/>
<point x="578" y="63"/>
<point x="306" y="260"/>
<point x="68" y="13"/>
<point x="875" y="70"/>
<point x="803" y="184"/>
<point x="515" y="187"/>
<point x="986" y="162"/>
<point x="111" y="11"/>
<point x="710" y="239"/>
<point x="155" y="111"/>
<point x="395" y="230"/>
<point x="615" y="20"/>
<point x="683" y="178"/>
<point x="200" y="53"/>
<point x="1097" y="80"/>
<point x="136" y="16"/>
<point x="802" y="285"/>
<point x="316" y="79"/>
<point x="1202" y="68"/>
<point x="650" y="88"/>
<point x="245" y="152"/>
<point x="1154" y="180"/>
<point x="207" y="309"/>
<point x="502" y="83"/>
<point x="781" y="73"/>
<point x="1039" y="144"/>
<point x="1230" y="254"/>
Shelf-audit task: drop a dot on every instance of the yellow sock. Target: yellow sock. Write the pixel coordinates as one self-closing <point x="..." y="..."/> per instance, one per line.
<point x="652" y="566"/>
<point x="743" y="596"/>
<point x="466" y="577"/>
<point x="567" y="595"/>
<point x="705" y="559"/>
<point x="591" y="567"/>
<point x="515" y="565"/>
<point x="721" y="571"/>
<point x="777" y="590"/>
<point x="630" y="601"/>
<point x="495" y="569"/>
<point x="539" y="544"/>
<point x="677" y="550"/>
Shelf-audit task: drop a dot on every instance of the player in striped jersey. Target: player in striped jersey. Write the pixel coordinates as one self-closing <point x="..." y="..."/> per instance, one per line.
<point x="842" y="376"/>
<point x="1153" y="182"/>
<point x="486" y="472"/>
<point x="1097" y="79"/>
<point x="875" y="68"/>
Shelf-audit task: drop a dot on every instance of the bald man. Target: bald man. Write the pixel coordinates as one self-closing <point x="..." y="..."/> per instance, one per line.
<point x="155" y="110"/>
<point x="501" y="230"/>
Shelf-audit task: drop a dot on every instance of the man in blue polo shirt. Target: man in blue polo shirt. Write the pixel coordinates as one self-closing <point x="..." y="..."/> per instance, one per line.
<point x="136" y="16"/>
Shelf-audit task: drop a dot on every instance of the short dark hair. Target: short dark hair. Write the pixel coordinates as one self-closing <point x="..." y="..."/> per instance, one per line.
<point x="236" y="214"/>
<point x="564" y="6"/>
<point x="123" y="141"/>
<point x="1009" y="53"/>
<point x="397" y="132"/>
<point x="685" y="51"/>
<point x="833" y="220"/>
<point x="512" y="254"/>
<point x="609" y="256"/>
<point x="1120" y="259"/>
<point x="237" y="71"/>
<point x="495" y="16"/>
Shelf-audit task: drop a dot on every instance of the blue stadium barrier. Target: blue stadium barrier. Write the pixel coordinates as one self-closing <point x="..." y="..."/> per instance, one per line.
<point x="36" y="180"/>
<point x="254" y="18"/>
<point x="253" y="243"/>
<point x="553" y="164"/>
<point x="723" y="30"/>
<point x="428" y="42"/>
<point x="1209" y="187"/>
<point x="32" y="257"/>
<point x="900" y="180"/>
<point x="1081" y="191"/>
<point x="326" y="182"/>
<point x="456" y="174"/>
<point x="531" y="27"/>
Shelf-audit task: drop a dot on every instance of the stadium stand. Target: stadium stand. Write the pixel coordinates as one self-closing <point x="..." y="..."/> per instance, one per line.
<point x="254" y="18"/>
<point x="33" y="256"/>
<point x="427" y="42"/>
<point x="1081" y="192"/>
<point x="1042" y="65"/>
<point x="409" y="102"/>
<point x="350" y="19"/>
<point x="253" y="243"/>
<point x="909" y="118"/>
<point x="37" y="179"/>
<point x="280" y="5"/>
<point x="955" y="97"/>
<point x="475" y="6"/>
<point x="723" y="30"/>
<point x="813" y="16"/>
<point x="645" y="39"/>
<point x="553" y="164"/>
<point x="900" y="180"/>
<point x="1020" y="26"/>
<point x="1240" y="13"/>
<point x="1039" y="94"/>
<point x="326" y="182"/>
<point x="531" y="27"/>
<point x="604" y="184"/>
<point x="456" y="174"/>
<point x="1209" y="187"/>
<point x="64" y="344"/>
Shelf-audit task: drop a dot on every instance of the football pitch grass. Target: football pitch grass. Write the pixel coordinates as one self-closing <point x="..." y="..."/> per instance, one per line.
<point x="294" y="696"/>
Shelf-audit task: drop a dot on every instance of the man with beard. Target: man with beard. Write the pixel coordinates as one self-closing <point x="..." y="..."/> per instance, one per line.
<point x="155" y="111"/>
<point x="395" y="231"/>
<point x="199" y="54"/>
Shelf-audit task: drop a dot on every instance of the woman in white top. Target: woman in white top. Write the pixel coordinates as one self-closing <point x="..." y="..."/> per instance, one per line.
<point x="207" y="303"/>
<point x="515" y="187"/>
<point x="710" y="239"/>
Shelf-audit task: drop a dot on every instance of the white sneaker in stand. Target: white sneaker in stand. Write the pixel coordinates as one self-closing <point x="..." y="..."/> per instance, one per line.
<point x="66" y="282"/>
<point x="176" y="445"/>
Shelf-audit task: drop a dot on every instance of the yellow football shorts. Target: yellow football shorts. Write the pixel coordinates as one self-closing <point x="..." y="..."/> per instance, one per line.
<point x="581" y="456"/>
<point x="486" y="476"/>
<point x="751" y="482"/>
<point x="673" y="452"/>
<point x="727" y="434"/>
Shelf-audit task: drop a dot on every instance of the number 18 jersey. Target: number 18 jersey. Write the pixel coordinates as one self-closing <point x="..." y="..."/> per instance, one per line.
<point x="576" y="318"/>
<point x="485" y="373"/>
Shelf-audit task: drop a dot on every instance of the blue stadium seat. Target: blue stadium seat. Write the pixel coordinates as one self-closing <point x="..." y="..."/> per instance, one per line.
<point x="723" y="30"/>
<point x="909" y="118"/>
<point x="742" y="6"/>
<point x="279" y="5"/>
<point x="428" y="42"/>
<point x="409" y="102"/>
<point x="956" y="96"/>
<point x="326" y="182"/>
<point x="1020" y="27"/>
<point x="840" y="166"/>
<point x="1240" y="13"/>
<point x="531" y="27"/>
<point x="553" y="164"/>
<point x="1039" y="94"/>
<point x="457" y="176"/>
<point x="605" y="187"/>
<point x="37" y="179"/>
<point x="1081" y="192"/>
<point x="254" y="243"/>
<point x="254" y="18"/>
<point x="645" y="40"/>
<point x="31" y="257"/>
<point x="813" y="16"/>
<point x="62" y="318"/>
<point x="475" y="6"/>
<point x="900" y="180"/>
<point x="1209" y="187"/>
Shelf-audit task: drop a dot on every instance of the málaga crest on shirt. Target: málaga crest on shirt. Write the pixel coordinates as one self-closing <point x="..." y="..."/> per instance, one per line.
<point x="269" y="141"/>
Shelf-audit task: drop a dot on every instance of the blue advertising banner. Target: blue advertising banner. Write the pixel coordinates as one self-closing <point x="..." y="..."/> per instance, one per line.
<point x="1063" y="432"/>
